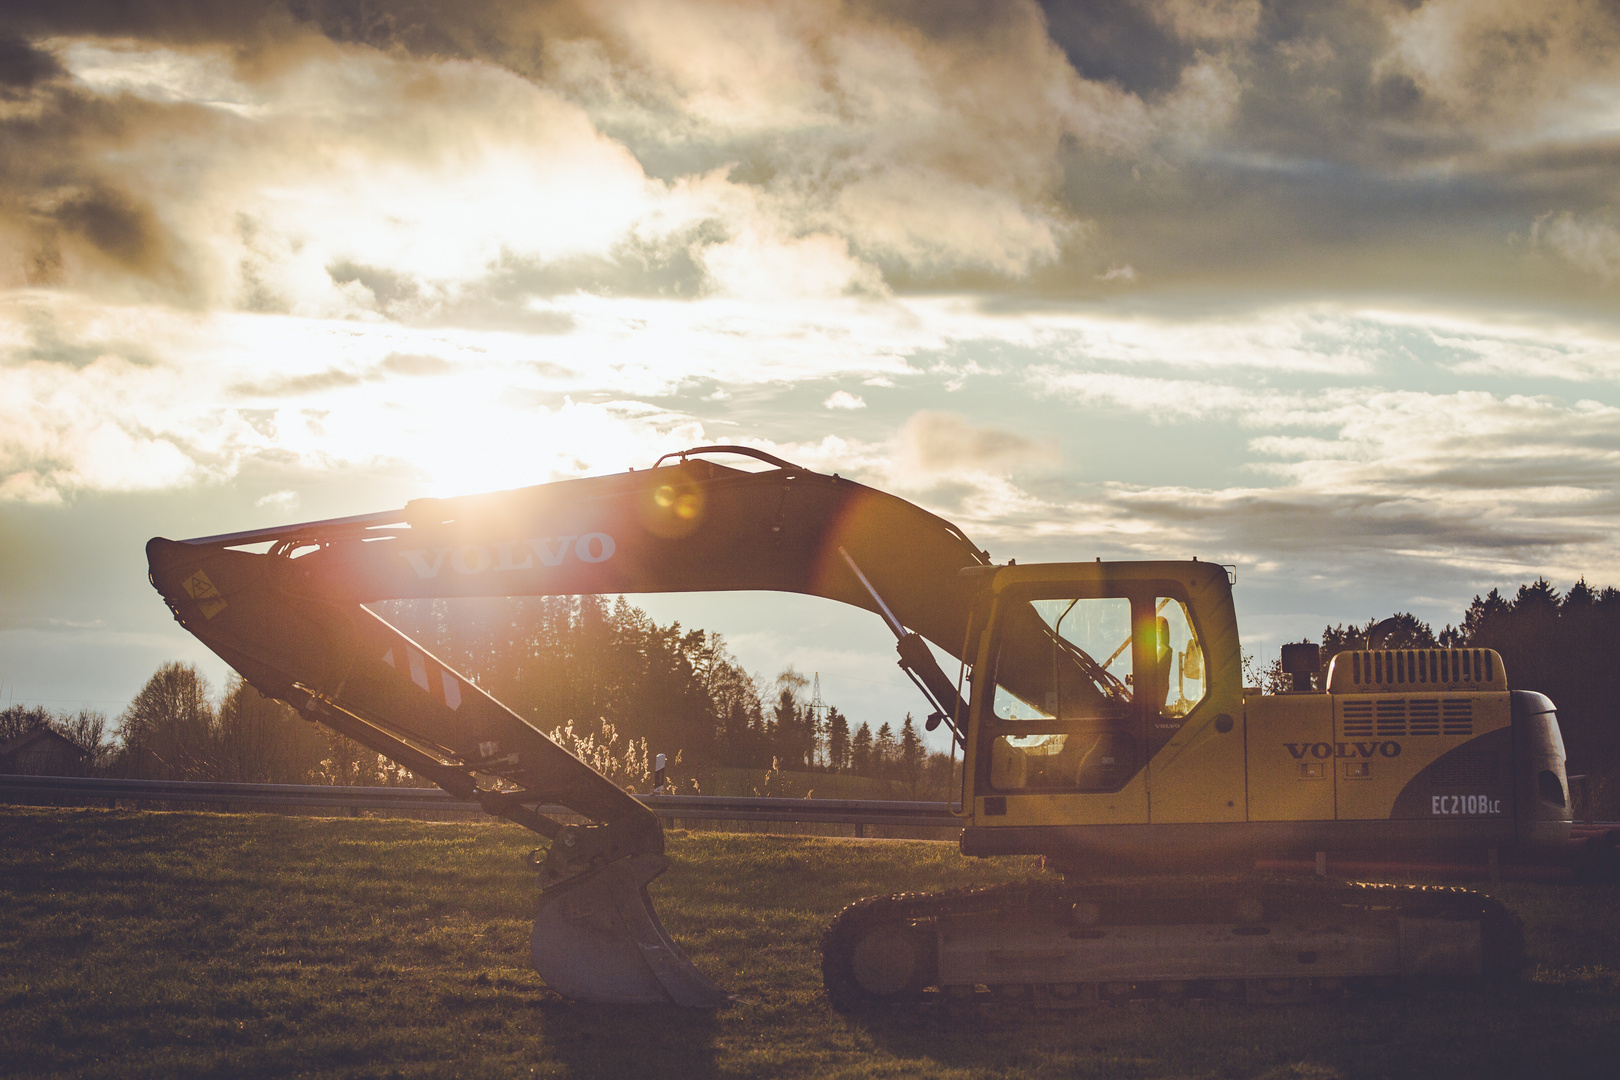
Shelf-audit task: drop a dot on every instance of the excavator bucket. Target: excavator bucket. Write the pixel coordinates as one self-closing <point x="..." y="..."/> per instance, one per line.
<point x="598" y="939"/>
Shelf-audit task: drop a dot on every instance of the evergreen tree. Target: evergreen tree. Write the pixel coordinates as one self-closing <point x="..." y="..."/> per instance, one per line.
<point x="793" y="725"/>
<point x="837" y="740"/>
<point x="860" y="751"/>
<point x="786" y="723"/>
<point x="885" y="753"/>
<point x="910" y="758"/>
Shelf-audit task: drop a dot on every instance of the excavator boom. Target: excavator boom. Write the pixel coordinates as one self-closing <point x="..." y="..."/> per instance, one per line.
<point x="292" y="621"/>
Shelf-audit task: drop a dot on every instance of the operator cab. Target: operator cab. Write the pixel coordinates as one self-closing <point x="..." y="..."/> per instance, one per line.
<point x="1086" y="670"/>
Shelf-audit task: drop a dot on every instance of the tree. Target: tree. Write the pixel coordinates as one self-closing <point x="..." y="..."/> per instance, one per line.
<point x="837" y="740"/>
<point x="1401" y="631"/>
<point x="942" y="776"/>
<point x="18" y="720"/>
<point x="860" y="751"/>
<point x="262" y="741"/>
<point x="559" y="660"/>
<point x="885" y="753"/>
<point x="910" y="759"/>
<point x="794" y="725"/>
<point x="169" y="731"/>
<point x="788" y="729"/>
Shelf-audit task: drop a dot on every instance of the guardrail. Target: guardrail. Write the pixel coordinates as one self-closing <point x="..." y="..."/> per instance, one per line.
<point x="857" y="812"/>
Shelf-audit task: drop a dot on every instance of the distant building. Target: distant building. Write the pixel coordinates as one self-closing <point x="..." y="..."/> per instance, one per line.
<point x="41" y="752"/>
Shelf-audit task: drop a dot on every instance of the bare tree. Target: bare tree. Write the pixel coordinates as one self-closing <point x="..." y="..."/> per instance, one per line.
<point x="169" y="731"/>
<point x="262" y="741"/>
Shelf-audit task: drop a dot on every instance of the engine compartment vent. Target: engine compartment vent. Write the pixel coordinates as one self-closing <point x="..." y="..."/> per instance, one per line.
<point x="1382" y="671"/>
<point x="1387" y="717"/>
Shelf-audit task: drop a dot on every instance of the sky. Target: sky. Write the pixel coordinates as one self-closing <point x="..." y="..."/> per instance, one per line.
<point x="1323" y="291"/>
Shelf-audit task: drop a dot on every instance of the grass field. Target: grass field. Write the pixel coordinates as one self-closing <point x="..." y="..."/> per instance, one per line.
<point x="189" y="945"/>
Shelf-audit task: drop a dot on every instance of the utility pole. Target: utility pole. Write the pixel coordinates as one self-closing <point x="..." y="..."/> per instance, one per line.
<point x="818" y="717"/>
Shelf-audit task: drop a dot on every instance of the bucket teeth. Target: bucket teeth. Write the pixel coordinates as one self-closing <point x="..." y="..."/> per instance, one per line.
<point x="597" y="939"/>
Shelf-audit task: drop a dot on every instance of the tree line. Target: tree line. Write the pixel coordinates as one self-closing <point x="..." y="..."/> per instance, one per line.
<point x="604" y="666"/>
<point x="174" y="730"/>
<point x="614" y="686"/>
<point x="600" y="676"/>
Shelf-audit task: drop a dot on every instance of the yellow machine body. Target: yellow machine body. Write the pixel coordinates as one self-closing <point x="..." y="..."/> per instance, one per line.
<point x="1166" y="758"/>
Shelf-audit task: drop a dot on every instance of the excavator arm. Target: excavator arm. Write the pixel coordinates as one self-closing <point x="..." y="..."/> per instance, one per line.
<point x="292" y="620"/>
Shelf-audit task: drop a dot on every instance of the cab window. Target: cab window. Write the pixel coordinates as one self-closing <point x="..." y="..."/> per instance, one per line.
<point x="1183" y="658"/>
<point x="1089" y="673"/>
<point x="1114" y="679"/>
<point x="1172" y="681"/>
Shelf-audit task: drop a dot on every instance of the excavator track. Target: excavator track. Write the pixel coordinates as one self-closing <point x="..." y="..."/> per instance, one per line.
<point x="1050" y="944"/>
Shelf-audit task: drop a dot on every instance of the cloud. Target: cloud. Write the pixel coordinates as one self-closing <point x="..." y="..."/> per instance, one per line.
<point x="274" y="161"/>
<point x="411" y="364"/>
<point x="1590" y="244"/>
<point x="110" y="425"/>
<point x="941" y="442"/>
<point x="281" y="501"/>
<point x="22" y="65"/>
<point x="1460" y="472"/>
<point x="1201" y="20"/>
<point x="1513" y="73"/>
<point x="265" y="164"/>
<point x="843" y="399"/>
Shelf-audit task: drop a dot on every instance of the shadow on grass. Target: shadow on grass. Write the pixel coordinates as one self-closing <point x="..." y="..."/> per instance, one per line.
<point x="630" y="1041"/>
<point x="1511" y="1031"/>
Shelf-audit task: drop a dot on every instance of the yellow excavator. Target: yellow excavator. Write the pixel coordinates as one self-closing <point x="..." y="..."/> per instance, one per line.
<point x="1099" y="707"/>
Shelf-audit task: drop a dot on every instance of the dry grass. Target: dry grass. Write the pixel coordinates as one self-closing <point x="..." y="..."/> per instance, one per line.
<point x="190" y="945"/>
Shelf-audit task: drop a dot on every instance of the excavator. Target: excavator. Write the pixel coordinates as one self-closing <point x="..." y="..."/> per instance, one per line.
<point x="1099" y="708"/>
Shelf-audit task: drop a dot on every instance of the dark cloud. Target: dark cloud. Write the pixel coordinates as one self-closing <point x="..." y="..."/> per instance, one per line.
<point x="1326" y="159"/>
<point x="117" y="226"/>
<point x="1119" y="42"/>
<point x="22" y="65"/>
<point x="1305" y="523"/>
<point x="665" y="268"/>
<point x="502" y="30"/>
<point x="71" y="205"/>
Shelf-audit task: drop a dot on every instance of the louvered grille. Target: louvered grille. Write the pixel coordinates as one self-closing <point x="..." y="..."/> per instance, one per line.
<point x="1406" y="716"/>
<point x="1457" y="716"/>
<point x="1463" y="773"/>
<point x="1436" y="670"/>
<point x="1423" y="717"/>
<point x="1391" y="716"/>
<point x="1358" y="717"/>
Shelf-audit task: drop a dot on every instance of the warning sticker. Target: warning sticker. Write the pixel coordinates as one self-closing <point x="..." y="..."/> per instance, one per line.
<point x="200" y="589"/>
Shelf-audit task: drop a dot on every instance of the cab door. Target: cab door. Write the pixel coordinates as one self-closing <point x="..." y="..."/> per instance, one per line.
<point x="1070" y="747"/>
<point x="1195" y="774"/>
